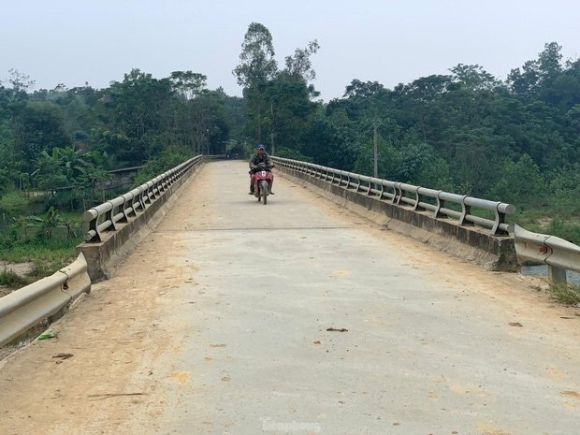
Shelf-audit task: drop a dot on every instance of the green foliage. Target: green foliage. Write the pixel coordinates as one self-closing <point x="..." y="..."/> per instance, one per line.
<point x="288" y="153"/>
<point x="278" y="107"/>
<point x="41" y="268"/>
<point x="11" y="279"/>
<point x="520" y="182"/>
<point x="436" y="174"/>
<point x="50" y="238"/>
<point x="30" y="243"/>
<point x="257" y="64"/>
<point x="567" y="230"/>
<point x="13" y="201"/>
<point x="168" y="159"/>
<point x="565" y="191"/>
<point x="466" y="132"/>
<point x="39" y="127"/>
<point x="565" y="293"/>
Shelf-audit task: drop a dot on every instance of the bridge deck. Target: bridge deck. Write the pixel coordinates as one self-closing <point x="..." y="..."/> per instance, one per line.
<point x="218" y="323"/>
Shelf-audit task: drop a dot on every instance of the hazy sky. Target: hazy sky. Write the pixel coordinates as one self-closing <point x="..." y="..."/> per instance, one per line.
<point x="390" y="41"/>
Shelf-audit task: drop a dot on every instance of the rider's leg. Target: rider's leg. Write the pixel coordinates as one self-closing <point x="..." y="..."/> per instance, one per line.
<point x="251" y="184"/>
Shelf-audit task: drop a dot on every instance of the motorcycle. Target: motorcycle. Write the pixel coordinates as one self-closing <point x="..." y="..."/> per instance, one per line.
<point x="263" y="179"/>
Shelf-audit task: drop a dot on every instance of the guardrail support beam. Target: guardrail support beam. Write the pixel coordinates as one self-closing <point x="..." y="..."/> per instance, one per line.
<point x="557" y="275"/>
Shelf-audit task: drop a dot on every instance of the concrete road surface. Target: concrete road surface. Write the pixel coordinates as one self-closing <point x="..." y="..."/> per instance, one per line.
<point x="297" y="318"/>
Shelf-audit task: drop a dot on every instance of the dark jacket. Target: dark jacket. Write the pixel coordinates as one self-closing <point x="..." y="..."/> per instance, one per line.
<point x="256" y="160"/>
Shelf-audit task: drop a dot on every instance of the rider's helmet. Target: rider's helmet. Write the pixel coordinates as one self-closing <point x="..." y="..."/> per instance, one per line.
<point x="261" y="147"/>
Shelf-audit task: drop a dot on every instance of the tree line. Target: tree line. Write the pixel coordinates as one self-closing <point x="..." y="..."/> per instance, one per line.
<point x="515" y="140"/>
<point x="69" y="138"/>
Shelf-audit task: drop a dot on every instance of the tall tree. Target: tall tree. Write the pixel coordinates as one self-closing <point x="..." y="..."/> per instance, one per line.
<point x="141" y="108"/>
<point x="257" y="64"/>
<point x="256" y="68"/>
<point x="299" y="65"/>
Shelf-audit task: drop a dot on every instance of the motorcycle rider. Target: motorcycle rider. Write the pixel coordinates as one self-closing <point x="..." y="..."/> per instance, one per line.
<point x="259" y="162"/>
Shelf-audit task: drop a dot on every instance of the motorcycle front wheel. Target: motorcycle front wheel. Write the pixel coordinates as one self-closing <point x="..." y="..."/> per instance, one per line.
<point x="264" y="190"/>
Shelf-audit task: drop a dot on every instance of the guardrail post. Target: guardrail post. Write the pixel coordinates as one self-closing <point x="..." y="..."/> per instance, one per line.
<point x="398" y="193"/>
<point x="465" y="210"/>
<point x="557" y="275"/>
<point x="371" y="187"/>
<point x="94" y="230"/>
<point x="418" y="199"/>
<point x="440" y="204"/>
<point x="124" y="208"/>
<point x="134" y="203"/>
<point x="499" y="219"/>
<point x="110" y="216"/>
<point x="142" y="200"/>
<point x="318" y="172"/>
<point x="381" y="192"/>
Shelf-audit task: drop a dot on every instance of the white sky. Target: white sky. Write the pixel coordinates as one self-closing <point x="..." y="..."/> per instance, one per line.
<point x="97" y="41"/>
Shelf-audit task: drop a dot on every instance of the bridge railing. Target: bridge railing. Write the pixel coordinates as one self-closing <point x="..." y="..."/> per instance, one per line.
<point x="560" y="255"/>
<point x="106" y="217"/>
<point x="22" y="310"/>
<point x="412" y="196"/>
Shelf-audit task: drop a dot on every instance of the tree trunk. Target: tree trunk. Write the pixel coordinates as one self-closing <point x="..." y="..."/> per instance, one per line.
<point x="375" y="151"/>
<point x="272" y="125"/>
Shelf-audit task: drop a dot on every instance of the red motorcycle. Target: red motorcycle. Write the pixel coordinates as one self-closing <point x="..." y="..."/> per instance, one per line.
<point x="263" y="179"/>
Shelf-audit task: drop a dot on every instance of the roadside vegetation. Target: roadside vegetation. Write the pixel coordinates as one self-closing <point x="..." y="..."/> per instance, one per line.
<point x="565" y="293"/>
<point x="515" y="139"/>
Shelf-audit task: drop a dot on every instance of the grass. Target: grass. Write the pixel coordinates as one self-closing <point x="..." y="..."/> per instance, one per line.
<point x="543" y="221"/>
<point x="38" y="253"/>
<point x="565" y="293"/>
<point x="13" y="201"/>
<point x="48" y="256"/>
<point x="47" y="239"/>
<point x="40" y="269"/>
<point x="12" y="280"/>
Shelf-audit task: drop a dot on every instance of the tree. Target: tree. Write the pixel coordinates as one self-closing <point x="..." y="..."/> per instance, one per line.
<point x="521" y="182"/>
<point x="257" y="64"/>
<point x="473" y="77"/>
<point x="40" y="127"/>
<point x="299" y="66"/>
<point x="20" y="82"/>
<point x="290" y="109"/>
<point x="188" y="84"/>
<point x="536" y="77"/>
<point x="256" y="68"/>
<point x="141" y="110"/>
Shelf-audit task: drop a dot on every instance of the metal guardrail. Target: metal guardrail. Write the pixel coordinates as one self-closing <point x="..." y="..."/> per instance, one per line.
<point x="47" y="298"/>
<point x="27" y="307"/>
<point x="106" y="216"/>
<point x="559" y="254"/>
<point x="411" y="196"/>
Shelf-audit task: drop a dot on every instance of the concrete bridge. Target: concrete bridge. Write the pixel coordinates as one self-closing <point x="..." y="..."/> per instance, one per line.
<point x="299" y="317"/>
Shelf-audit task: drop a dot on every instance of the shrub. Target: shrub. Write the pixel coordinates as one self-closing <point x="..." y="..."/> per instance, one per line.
<point x="565" y="293"/>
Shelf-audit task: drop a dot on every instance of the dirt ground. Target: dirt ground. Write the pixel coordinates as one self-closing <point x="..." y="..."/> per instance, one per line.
<point x="4" y="291"/>
<point x="19" y="268"/>
<point x="82" y="378"/>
